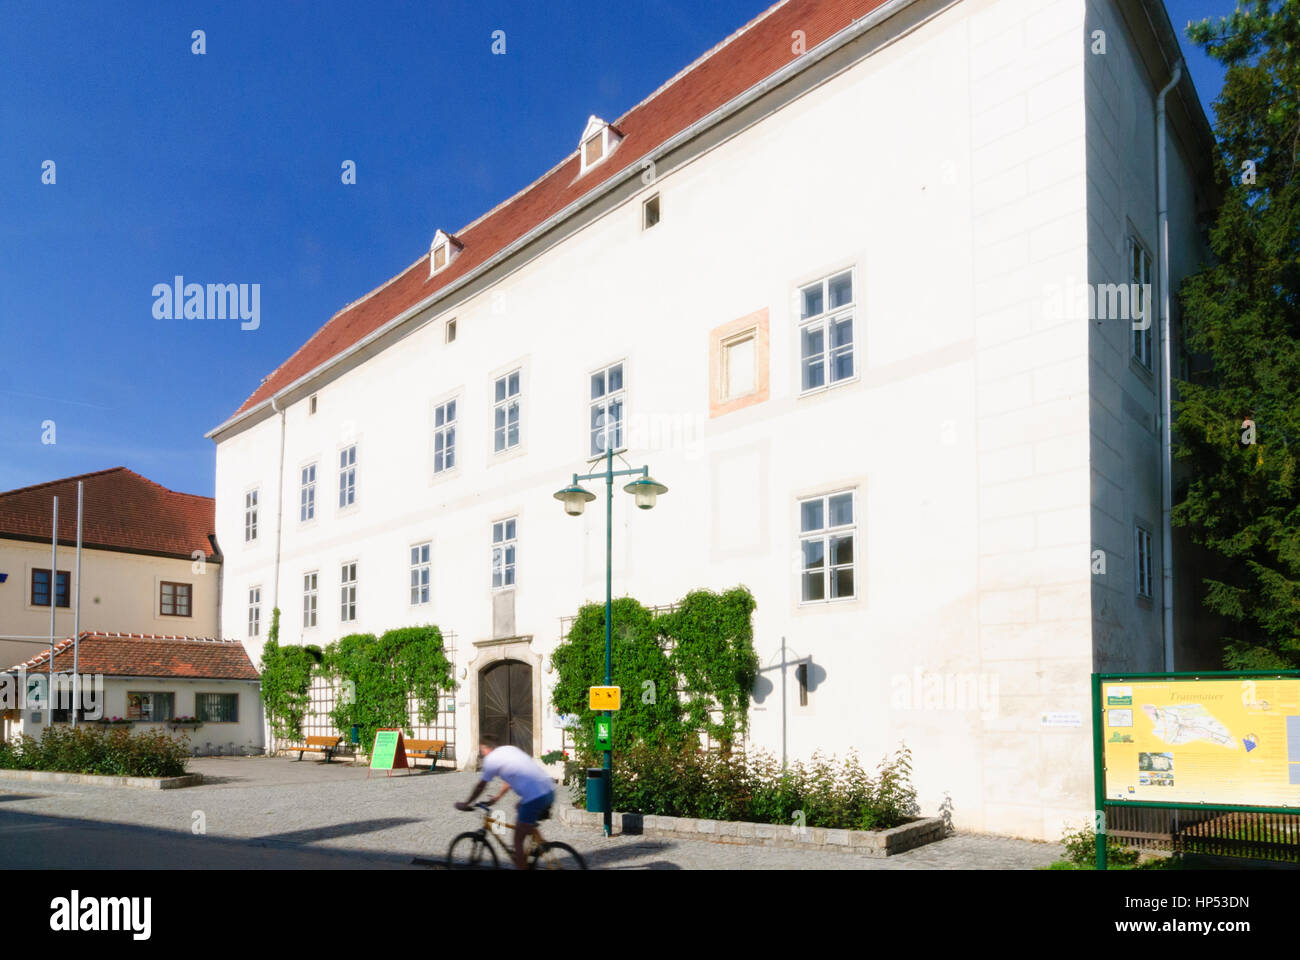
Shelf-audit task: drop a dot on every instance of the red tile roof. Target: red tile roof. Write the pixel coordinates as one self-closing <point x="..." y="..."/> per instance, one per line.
<point x="744" y="59"/>
<point x="148" y="655"/>
<point x="122" y="511"/>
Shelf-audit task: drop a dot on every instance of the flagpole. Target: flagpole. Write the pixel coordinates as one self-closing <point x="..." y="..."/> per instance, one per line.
<point x="54" y="603"/>
<point x="76" y="614"/>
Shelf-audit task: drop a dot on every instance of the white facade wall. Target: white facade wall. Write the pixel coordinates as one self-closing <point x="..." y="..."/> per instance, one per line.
<point x="950" y="172"/>
<point x="1125" y="398"/>
<point x="242" y="735"/>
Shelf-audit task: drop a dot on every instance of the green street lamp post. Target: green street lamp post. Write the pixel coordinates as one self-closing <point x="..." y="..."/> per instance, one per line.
<point x="575" y="499"/>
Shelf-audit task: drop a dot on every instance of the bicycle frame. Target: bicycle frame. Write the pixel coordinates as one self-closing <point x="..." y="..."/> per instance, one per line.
<point x="489" y="821"/>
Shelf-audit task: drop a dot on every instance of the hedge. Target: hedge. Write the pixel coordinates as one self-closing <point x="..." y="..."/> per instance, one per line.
<point x="109" y="751"/>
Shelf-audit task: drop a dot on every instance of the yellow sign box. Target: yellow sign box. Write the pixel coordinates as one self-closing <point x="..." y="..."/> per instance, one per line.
<point x="605" y="698"/>
<point x="1233" y="742"/>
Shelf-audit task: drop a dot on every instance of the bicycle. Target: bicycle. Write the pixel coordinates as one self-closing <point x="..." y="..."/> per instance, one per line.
<point x="476" y="851"/>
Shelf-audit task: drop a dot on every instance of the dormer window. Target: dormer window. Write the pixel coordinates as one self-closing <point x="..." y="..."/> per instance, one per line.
<point x="598" y="141"/>
<point x="442" y="251"/>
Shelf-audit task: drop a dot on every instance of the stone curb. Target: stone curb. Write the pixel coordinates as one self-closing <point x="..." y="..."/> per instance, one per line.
<point x="91" y="779"/>
<point x="864" y="843"/>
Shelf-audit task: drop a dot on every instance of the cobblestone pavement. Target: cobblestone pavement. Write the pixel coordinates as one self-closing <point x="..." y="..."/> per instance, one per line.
<point x="321" y="815"/>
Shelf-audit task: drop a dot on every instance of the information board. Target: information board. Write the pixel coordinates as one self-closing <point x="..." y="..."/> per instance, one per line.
<point x="1217" y="741"/>
<point x="389" y="752"/>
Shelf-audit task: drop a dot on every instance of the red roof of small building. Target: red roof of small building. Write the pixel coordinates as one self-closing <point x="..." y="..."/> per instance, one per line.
<point x="147" y="655"/>
<point x="122" y="511"/>
<point x="747" y="57"/>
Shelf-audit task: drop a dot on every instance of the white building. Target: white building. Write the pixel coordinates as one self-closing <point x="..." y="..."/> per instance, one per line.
<point x="828" y="275"/>
<point x="206" y="691"/>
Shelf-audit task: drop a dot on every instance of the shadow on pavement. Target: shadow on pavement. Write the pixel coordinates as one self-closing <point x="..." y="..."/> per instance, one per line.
<point x="334" y="830"/>
<point x="64" y="843"/>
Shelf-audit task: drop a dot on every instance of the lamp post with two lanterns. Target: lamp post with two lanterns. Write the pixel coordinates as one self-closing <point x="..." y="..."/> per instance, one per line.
<point x="575" y="499"/>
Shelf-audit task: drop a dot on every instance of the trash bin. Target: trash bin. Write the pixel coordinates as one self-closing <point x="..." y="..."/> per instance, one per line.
<point x="597" y="789"/>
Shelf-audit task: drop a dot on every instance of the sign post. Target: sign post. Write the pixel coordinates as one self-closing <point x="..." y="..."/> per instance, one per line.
<point x="1219" y="740"/>
<point x="389" y="752"/>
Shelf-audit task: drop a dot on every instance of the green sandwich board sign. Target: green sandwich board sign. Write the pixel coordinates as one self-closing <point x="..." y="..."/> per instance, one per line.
<point x="389" y="752"/>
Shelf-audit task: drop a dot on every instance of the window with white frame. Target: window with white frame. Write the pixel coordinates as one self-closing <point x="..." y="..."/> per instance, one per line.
<point x="1142" y="554"/>
<point x="310" y="586"/>
<point x="827" y="527"/>
<point x="348" y="476"/>
<point x="442" y="251"/>
<point x="348" y="592"/>
<point x="254" y="611"/>
<point x="444" y="436"/>
<point x="607" y="409"/>
<point x="250" y="516"/>
<point x="505" y="412"/>
<point x="307" y="494"/>
<point x="420" y="569"/>
<point x="1140" y="300"/>
<point x="826" y="315"/>
<point x="597" y="142"/>
<point x="504" y="542"/>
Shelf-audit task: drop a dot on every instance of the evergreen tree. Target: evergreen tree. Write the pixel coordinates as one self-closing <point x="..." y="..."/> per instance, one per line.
<point x="1238" y="428"/>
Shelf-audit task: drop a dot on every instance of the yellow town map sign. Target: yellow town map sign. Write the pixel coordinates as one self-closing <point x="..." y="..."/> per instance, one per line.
<point x="1232" y="742"/>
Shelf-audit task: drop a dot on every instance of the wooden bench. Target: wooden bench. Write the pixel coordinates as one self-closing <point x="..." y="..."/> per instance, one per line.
<point x="325" y="745"/>
<point x="430" y="750"/>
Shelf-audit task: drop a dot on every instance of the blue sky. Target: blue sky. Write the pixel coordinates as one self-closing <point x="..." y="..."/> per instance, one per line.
<point x="225" y="168"/>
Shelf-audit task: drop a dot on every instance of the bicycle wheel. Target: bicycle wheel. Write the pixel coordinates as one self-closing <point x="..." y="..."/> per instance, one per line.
<point x="471" y="851"/>
<point x="556" y="856"/>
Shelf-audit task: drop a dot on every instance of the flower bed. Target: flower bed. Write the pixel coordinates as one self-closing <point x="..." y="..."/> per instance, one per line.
<point x="825" y="793"/>
<point x="107" y="749"/>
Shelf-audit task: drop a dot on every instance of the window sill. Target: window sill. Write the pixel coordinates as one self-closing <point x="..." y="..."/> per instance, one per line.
<point x="824" y="604"/>
<point x="830" y="387"/>
<point x="511" y="453"/>
<point x="1144" y="374"/>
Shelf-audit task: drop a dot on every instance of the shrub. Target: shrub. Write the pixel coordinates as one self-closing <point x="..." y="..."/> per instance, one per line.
<point x="682" y="781"/>
<point x="108" y="751"/>
<point x="1081" y="848"/>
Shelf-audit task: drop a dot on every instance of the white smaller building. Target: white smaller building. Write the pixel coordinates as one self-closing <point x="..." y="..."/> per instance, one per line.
<point x="207" y="690"/>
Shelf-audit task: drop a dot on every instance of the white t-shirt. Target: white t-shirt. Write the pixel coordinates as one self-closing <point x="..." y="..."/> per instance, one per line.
<point x="525" y="775"/>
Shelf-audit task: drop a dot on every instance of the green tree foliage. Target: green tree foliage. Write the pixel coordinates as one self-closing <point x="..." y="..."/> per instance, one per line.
<point x="286" y="676"/>
<point x="673" y="670"/>
<point x="375" y="675"/>
<point x="650" y="710"/>
<point x="1243" y="314"/>
<point x="713" y="654"/>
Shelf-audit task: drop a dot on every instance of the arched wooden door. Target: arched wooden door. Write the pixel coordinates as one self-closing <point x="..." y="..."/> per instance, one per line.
<point x="505" y="703"/>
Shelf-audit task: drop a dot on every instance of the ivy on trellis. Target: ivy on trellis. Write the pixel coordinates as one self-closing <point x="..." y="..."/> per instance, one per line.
<point x="683" y="673"/>
<point x="286" y="677"/>
<point x="375" y="678"/>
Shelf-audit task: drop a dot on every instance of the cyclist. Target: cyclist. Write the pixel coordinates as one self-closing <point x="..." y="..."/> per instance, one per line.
<point x="526" y="777"/>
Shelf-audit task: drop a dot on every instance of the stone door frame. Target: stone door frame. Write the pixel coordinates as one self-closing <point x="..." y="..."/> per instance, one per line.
<point x="486" y="653"/>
